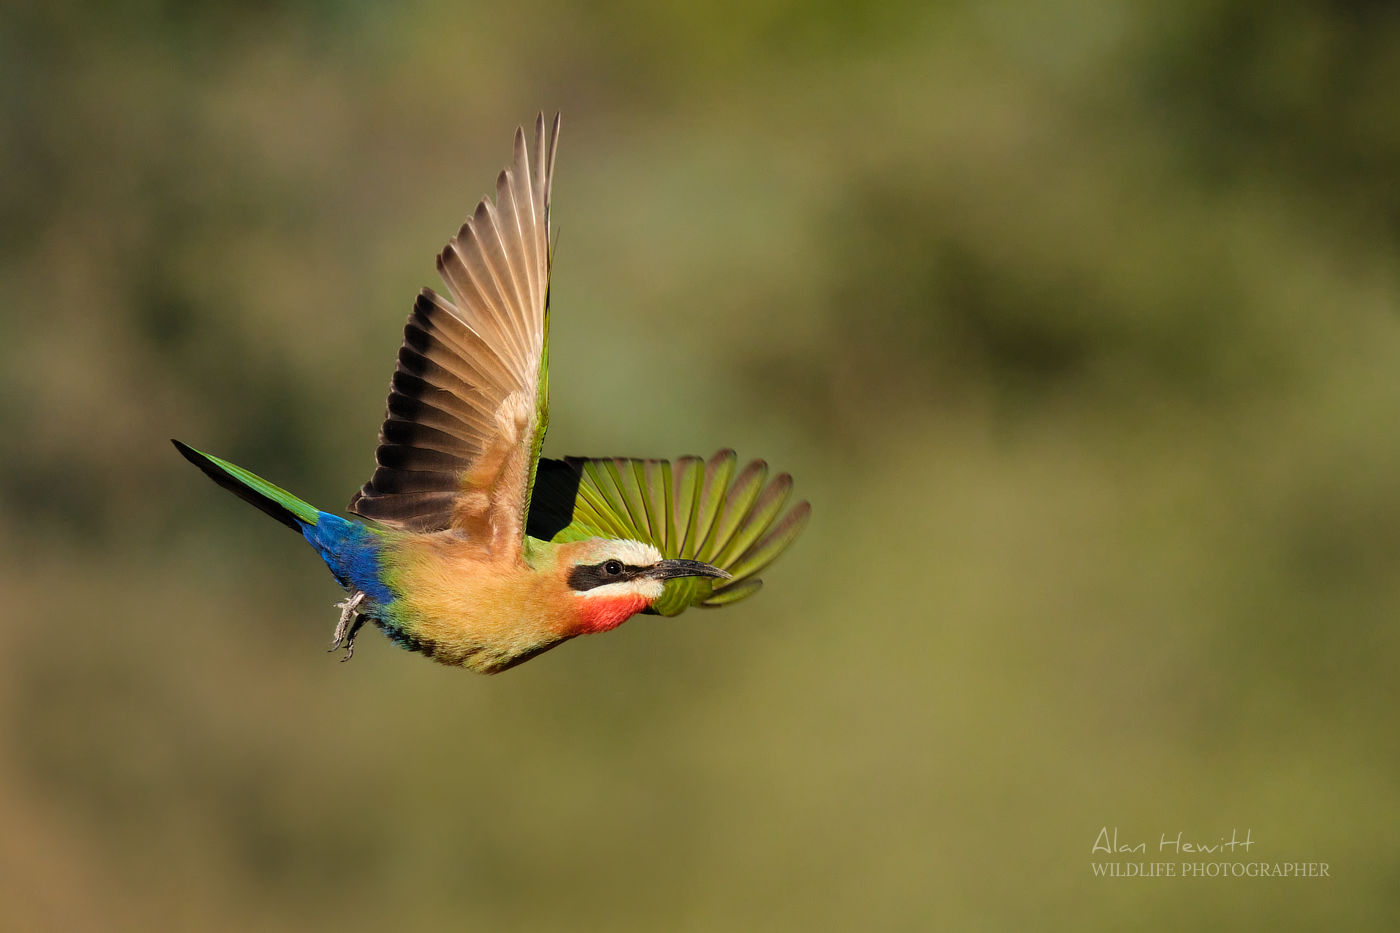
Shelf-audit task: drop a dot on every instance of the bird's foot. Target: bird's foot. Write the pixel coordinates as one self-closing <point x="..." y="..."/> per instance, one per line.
<point x="349" y="624"/>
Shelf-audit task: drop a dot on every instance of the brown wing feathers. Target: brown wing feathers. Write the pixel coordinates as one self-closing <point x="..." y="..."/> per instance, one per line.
<point x="454" y="447"/>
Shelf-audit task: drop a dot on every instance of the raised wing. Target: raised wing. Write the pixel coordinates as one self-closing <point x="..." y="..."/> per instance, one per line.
<point x="685" y="508"/>
<point x="468" y="401"/>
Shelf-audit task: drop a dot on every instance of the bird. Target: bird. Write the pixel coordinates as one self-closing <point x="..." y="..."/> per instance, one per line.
<point x="465" y="544"/>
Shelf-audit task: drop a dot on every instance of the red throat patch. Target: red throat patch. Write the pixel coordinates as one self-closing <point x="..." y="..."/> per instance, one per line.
<point x="603" y="613"/>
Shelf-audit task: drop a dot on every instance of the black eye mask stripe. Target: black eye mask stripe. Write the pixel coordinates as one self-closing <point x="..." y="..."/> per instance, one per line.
<point x="585" y="577"/>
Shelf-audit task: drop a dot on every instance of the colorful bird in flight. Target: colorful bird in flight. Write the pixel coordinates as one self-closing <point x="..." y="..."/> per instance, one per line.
<point x="470" y="548"/>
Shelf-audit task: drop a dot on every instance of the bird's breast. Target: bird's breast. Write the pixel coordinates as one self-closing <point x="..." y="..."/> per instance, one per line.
<point x="461" y="607"/>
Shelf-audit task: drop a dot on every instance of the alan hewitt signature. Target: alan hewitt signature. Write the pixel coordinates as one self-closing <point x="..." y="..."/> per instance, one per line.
<point x="1108" y="843"/>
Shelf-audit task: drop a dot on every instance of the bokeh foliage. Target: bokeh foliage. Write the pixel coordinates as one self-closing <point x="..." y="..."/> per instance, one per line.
<point x="1077" y="323"/>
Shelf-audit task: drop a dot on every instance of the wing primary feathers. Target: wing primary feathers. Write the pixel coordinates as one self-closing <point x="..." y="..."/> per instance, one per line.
<point x="486" y="234"/>
<point x="474" y="288"/>
<point x="760" y="555"/>
<point x="527" y="218"/>
<point x="412" y="446"/>
<point x="686" y="508"/>
<point x="415" y="399"/>
<point x="642" y="475"/>
<point x="732" y="594"/>
<point x="605" y="501"/>
<point x="549" y="164"/>
<point x="541" y="170"/>
<point x="620" y="471"/>
<point x="661" y="482"/>
<point x="760" y="515"/>
<point x="736" y="505"/>
<point x="718" y="470"/>
<point x="687" y="473"/>
<point x="467" y="393"/>
<point x="506" y="250"/>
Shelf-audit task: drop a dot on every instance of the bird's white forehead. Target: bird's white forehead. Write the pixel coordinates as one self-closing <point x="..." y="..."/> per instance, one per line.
<point x="634" y="553"/>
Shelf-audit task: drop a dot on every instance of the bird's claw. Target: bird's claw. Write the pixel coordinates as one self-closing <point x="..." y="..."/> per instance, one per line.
<point x="349" y="624"/>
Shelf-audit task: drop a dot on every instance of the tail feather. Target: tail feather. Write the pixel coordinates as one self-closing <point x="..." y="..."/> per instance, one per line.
<point x="275" y="501"/>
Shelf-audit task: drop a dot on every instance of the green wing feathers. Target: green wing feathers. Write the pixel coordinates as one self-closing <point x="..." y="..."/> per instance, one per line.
<point x="688" y="508"/>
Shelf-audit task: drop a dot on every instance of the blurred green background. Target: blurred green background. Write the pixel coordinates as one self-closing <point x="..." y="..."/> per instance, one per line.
<point x="1077" y="323"/>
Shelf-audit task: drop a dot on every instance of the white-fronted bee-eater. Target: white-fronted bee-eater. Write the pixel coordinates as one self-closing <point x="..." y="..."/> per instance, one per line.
<point x="466" y="545"/>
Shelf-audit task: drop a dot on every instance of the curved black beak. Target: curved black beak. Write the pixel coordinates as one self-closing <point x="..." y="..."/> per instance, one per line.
<point x="672" y="568"/>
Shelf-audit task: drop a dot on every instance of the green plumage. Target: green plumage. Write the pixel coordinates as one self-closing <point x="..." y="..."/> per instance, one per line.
<point x="251" y="488"/>
<point x="686" y="508"/>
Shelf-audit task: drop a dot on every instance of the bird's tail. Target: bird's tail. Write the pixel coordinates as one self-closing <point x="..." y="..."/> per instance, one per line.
<point x="275" y="501"/>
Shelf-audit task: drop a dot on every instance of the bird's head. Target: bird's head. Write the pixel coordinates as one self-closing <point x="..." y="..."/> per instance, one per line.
<point x="610" y="580"/>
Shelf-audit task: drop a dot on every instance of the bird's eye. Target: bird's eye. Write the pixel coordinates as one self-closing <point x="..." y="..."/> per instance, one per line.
<point x="612" y="568"/>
